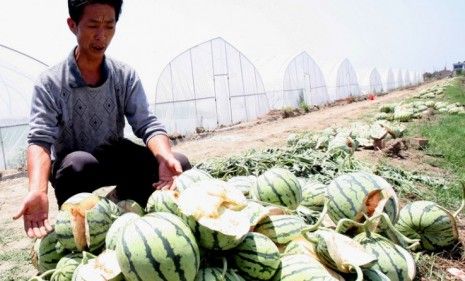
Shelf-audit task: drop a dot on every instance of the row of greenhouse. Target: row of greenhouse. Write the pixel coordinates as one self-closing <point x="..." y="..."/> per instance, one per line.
<point x="210" y="85"/>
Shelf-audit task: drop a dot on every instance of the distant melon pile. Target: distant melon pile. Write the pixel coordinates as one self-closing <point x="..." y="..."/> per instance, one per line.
<point x="423" y="105"/>
<point x="271" y="227"/>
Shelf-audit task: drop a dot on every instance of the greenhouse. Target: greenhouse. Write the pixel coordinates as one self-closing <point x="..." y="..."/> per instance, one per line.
<point x="343" y="82"/>
<point x="400" y="80"/>
<point x="304" y="74"/>
<point x="371" y="82"/>
<point x="407" y="81"/>
<point x="390" y="80"/>
<point x="18" y="71"/>
<point x="209" y="85"/>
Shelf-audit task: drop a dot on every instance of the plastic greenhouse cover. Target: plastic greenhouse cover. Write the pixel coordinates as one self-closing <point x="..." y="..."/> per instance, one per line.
<point x="304" y="75"/>
<point x="209" y="85"/>
<point x="17" y="75"/>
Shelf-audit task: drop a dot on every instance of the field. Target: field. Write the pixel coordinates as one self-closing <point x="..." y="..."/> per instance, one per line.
<point x="444" y="158"/>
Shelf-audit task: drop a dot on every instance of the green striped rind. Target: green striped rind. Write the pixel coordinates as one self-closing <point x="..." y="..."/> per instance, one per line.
<point x="394" y="261"/>
<point x="189" y="177"/>
<point x="46" y="254"/>
<point x="66" y="267"/>
<point x="216" y="274"/>
<point x="243" y="183"/>
<point x="163" y="201"/>
<point x="110" y="207"/>
<point x="309" y="216"/>
<point x="158" y="246"/>
<point x="255" y="212"/>
<point x="278" y="186"/>
<point x="64" y="231"/>
<point x="374" y="275"/>
<point x="116" y="229"/>
<point x="130" y="206"/>
<point x="432" y="224"/>
<point x="303" y="268"/>
<point x="346" y="195"/>
<point x="299" y="247"/>
<point x="281" y="229"/>
<point x="212" y="239"/>
<point x="313" y="195"/>
<point x="97" y="222"/>
<point x="257" y="257"/>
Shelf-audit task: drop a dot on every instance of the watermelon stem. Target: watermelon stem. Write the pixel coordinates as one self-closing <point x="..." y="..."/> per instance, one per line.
<point x="340" y="225"/>
<point x="462" y="206"/>
<point x="44" y="276"/>
<point x="411" y="244"/>
<point x="316" y="225"/>
<point x="225" y="268"/>
<point x="358" y="270"/>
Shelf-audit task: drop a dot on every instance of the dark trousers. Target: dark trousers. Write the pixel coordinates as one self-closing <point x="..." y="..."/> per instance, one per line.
<point x="131" y="167"/>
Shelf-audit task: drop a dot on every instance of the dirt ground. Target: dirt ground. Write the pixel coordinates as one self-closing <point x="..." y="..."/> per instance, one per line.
<point x="271" y="131"/>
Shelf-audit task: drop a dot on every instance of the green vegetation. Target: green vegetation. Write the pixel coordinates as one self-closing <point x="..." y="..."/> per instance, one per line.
<point x="446" y="136"/>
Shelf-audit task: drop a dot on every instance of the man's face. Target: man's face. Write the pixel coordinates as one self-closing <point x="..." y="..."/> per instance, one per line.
<point x="95" y="29"/>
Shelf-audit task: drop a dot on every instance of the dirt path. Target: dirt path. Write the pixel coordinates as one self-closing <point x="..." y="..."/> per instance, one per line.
<point x="274" y="133"/>
<point x="15" y="246"/>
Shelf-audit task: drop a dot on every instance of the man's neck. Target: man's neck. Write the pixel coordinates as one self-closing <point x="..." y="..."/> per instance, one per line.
<point x="90" y="68"/>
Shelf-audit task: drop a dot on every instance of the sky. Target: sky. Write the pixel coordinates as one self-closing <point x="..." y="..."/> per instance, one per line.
<point x="418" y="35"/>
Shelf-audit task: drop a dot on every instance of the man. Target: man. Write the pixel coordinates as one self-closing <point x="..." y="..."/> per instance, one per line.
<point x="77" y="119"/>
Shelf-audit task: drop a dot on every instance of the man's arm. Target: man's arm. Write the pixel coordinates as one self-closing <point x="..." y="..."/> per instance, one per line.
<point x="168" y="166"/>
<point x="38" y="167"/>
<point x="34" y="208"/>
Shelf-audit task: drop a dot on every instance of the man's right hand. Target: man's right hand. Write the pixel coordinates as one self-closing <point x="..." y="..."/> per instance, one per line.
<point x="34" y="211"/>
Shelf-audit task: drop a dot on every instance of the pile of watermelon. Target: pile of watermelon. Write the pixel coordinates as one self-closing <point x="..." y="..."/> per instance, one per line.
<point x="424" y="104"/>
<point x="274" y="226"/>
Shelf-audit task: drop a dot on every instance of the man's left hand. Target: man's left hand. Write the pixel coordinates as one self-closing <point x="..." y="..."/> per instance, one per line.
<point x="168" y="170"/>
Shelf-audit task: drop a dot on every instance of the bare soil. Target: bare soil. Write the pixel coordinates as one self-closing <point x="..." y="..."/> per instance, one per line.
<point x="269" y="131"/>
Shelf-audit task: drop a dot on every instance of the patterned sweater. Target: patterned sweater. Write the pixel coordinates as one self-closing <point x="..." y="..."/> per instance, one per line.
<point x="67" y="115"/>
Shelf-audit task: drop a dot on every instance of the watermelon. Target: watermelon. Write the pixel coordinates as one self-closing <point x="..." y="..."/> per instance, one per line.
<point x="102" y="268"/>
<point x="163" y="201"/>
<point x="434" y="225"/>
<point x="304" y="268"/>
<point x="116" y="229"/>
<point x="278" y="186"/>
<point x="129" y="205"/>
<point x="216" y="274"/>
<point x="257" y="257"/>
<point x="357" y="194"/>
<point x="243" y="183"/>
<point x="47" y="252"/>
<point x="83" y="221"/>
<point x="339" y="252"/>
<point x="281" y="229"/>
<point x="188" y="177"/>
<point x="313" y="195"/>
<point x="216" y="213"/>
<point x="392" y="260"/>
<point x="68" y="264"/>
<point x="158" y="246"/>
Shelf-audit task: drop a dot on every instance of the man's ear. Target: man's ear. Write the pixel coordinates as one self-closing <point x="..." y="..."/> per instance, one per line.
<point x="72" y="25"/>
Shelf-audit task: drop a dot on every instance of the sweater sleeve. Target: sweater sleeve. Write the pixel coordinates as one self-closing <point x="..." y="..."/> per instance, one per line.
<point x="145" y="124"/>
<point x="44" y="116"/>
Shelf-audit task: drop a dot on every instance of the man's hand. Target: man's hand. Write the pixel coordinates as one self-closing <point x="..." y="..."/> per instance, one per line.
<point x="35" y="214"/>
<point x="168" y="170"/>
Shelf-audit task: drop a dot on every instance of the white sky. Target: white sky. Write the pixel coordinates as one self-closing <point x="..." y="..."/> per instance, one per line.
<point x="420" y="35"/>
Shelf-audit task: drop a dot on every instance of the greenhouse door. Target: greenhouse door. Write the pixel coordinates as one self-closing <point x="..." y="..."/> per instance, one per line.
<point x="223" y="109"/>
<point x="308" y="90"/>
